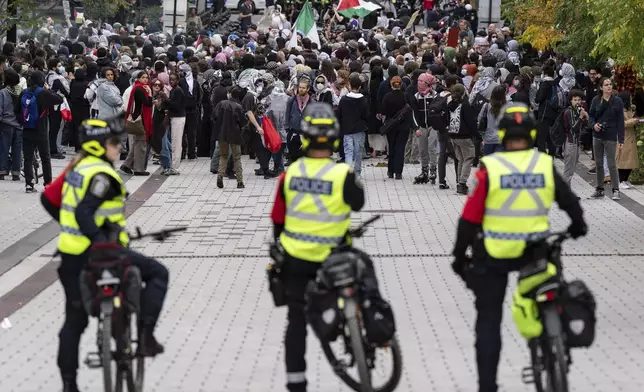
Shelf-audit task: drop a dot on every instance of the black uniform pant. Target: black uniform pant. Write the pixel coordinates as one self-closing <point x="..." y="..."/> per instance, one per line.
<point x="489" y="290"/>
<point x="153" y="273"/>
<point x="446" y="148"/>
<point x="297" y="275"/>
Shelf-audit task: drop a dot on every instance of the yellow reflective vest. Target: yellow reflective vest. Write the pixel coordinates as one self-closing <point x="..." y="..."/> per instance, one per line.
<point x="317" y="217"/>
<point x="77" y="181"/>
<point x="521" y="190"/>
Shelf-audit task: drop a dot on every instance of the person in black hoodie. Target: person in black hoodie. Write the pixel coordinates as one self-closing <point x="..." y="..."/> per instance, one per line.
<point x="38" y="137"/>
<point x="79" y="106"/>
<point x="462" y="130"/>
<point x="392" y="104"/>
<point x="102" y="60"/>
<point x="353" y="116"/>
<point x="193" y="93"/>
<point x="546" y="115"/>
<point x="220" y="93"/>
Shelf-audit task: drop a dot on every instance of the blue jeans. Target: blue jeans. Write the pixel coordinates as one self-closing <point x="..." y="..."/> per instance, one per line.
<point x="10" y="141"/>
<point x="489" y="149"/>
<point x="166" y="151"/>
<point x="353" y="144"/>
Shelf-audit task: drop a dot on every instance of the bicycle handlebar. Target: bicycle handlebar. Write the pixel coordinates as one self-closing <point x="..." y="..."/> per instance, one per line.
<point x="558" y="238"/>
<point x="157" y="235"/>
<point x="359" y="231"/>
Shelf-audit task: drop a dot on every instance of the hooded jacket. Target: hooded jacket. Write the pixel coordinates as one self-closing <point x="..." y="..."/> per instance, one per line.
<point x="324" y="94"/>
<point x="353" y="113"/>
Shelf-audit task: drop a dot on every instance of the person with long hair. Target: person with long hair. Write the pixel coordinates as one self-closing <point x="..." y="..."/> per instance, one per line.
<point x="139" y="108"/>
<point x="177" y="118"/>
<point x="461" y="130"/>
<point x="607" y="121"/>
<point x="627" y="159"/>
<point x="487" y="120"/>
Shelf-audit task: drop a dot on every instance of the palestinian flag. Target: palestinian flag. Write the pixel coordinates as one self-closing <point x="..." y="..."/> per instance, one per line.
<point x="360" y="8"/>
<point x="305" y="25"/>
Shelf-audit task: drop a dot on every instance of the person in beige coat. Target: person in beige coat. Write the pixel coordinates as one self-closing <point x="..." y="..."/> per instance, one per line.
<point x="627" y="158"/>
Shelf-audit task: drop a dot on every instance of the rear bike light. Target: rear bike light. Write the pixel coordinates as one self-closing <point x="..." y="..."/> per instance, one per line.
<point x="108" y="291"/>
<point x="548" y="296"/>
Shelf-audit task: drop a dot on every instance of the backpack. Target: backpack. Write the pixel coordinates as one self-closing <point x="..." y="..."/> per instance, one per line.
<point x="557" y="131"/>
<point x="436" y="113"/>
<point x="479" y="102"/>
<point x="29" y="108"/>
<point x="557" y="99"/>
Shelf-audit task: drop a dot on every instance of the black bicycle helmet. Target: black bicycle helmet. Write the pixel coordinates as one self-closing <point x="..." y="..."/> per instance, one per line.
<point x="94" y="133"/>
<point x="517" y="122"/>
<point x="320" y="127"/>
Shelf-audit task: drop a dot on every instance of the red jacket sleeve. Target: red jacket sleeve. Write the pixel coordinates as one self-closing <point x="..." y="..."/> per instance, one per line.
<point x="278" y="215"/>
<point x="474" y="208"/>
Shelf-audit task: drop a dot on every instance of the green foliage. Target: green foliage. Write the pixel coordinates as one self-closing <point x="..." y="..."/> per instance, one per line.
<point x="574" y="18"/>
<point x="535" y="20"/>
<point x="619" y="30"/>
<point x="23" y="17"/>
<point x="103" y="9"/>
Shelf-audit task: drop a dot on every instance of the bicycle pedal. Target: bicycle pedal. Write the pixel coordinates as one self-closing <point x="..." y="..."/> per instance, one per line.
<point x="93" y="361"/>
<point x="527" y="375"/>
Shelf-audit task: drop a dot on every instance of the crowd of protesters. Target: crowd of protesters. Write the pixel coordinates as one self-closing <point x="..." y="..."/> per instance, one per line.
<point x="403" y="95"/>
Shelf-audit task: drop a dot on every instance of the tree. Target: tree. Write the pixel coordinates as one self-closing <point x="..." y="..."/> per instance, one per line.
<point x="579" y="37"/>
<point x="18" y="13"/>
<point x="104" y="9"/>
<point x="536" y="19"/>
<point x="619" y="32"/>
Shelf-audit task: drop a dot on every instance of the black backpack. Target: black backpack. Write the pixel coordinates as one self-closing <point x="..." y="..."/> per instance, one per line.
<point x="437" y="116"/>
<point x="479" y="102"/>
<point x="557" y="131"/>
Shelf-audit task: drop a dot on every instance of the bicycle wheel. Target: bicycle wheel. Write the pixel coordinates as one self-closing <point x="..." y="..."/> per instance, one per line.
<point x="106" y="344"/>
<point x="557" y="364"/>
<point x="344" y="370"/>
<point x="355" y="334"/>
<point x="536" y="361"/>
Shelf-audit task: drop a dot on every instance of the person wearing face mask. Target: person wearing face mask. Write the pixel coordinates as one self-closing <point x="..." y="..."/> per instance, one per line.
<point x="124" y="66"/>
<point x="521" y="83"/>
<point x="323" y="92"/>
<point x="59" y="85"/>
<point x="230" y="120"/>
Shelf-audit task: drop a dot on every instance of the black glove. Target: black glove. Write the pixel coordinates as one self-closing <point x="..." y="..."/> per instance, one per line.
<point x="577" y="230"/>
<point x="459" y="266"/>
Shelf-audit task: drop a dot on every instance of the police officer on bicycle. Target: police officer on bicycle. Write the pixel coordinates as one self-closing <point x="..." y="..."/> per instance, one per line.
<point x="92" y="211"/>
<point x="507" y="209"/>
<point x="311" y="216"/>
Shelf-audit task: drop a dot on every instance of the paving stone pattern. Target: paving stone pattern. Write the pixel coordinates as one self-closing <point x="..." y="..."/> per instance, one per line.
<point x="223" y="334"/>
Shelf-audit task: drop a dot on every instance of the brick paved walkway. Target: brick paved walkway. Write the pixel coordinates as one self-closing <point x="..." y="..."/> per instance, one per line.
<point x="222" y="333"/>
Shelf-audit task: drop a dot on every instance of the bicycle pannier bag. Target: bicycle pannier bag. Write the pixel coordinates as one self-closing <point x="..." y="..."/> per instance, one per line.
<point x="379" y="321"/>
<point x="322" y="312"/>
<point x="579" y="314"/>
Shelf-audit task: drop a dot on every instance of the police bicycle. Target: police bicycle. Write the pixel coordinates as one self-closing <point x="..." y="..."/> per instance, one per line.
<point x="544" y="309"/>
<point x="364" y="328"/>
<point x="111" y="290"/>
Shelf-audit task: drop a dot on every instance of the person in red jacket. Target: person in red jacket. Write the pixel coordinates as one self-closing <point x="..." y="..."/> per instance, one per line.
<point x="428" y="12"/>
